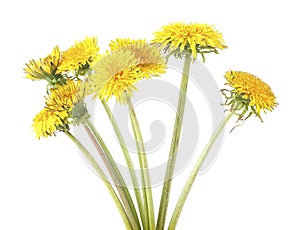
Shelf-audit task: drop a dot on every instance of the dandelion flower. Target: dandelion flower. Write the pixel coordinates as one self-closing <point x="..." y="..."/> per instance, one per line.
<point x="68" y="101"/>
<point x="44" y="68"/>
<point x="80" y="56"/>
<point x="151" y="62"/>
<point x="194" y="38"/>
<point x="46" y="123"/>
<point x="64" y="97"/>
<point x="115" y="74"/>
<point x="120" y="43"/>
<point x="249" y="91"/>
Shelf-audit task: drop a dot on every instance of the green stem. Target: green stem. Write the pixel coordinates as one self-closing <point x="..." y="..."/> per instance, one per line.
<point x="114" y="173"/>
<point x="146" y="183"/>
<point x="195" y="171"/>
<point x="128" y="161"/>
<point x="101" y="174"/>
<point x="174" y="146"/>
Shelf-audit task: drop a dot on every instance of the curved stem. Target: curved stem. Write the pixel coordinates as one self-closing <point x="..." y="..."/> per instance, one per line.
<point x="101" y="174"/>
<point x="146" y="183"/>
<point x="114" y="173"/>
<point x="128" y="161"/>
<point x="195" y="171"/>
<point x="164" y="202"/>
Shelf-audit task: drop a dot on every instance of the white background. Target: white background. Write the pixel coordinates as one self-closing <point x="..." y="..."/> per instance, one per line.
<point x="254" y="183"/>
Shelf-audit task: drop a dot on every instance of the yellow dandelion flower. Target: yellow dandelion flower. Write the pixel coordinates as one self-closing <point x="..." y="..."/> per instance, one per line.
<point x="249" y="91"/>
<point x="46" y="123"/>
<point x="64" y="97"/>
<point x="67" y="101"/>
<point x="44" y="68"/>
<point x="120" y="43"/>
<point x="151" y="62"/>
<point x="114" y="75"/>
<point x="80" y="56"/>
<point x="194" y="38"/>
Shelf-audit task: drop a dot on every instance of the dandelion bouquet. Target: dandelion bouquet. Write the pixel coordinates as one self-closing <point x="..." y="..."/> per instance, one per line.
<point x="81" y="72"/>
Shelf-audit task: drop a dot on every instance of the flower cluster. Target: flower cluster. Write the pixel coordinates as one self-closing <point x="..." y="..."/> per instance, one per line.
<point x="128" y="62"/>
<point x="61" y="70"/>
<point x="81" y="70"/>
<point x="57" y="113"/>
<point x="55" y="67"/>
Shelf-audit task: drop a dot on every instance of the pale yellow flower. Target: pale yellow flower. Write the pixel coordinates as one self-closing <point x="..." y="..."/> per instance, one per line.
<point x="120" y="43"/>
<point x="151" y="62"/>
<point x="115" y="75"/>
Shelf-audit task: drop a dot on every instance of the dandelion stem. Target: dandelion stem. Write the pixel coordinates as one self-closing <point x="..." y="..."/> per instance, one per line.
<point x="146" y="183"/>
<point x="195" y="171"/>
<point x="114" y="173"/>
<point x="128" y="161"/>
<point x="101" y="174"/>
<point x="174" y="146"/>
